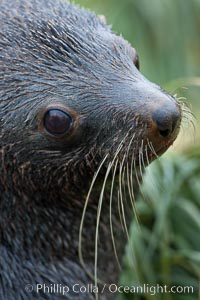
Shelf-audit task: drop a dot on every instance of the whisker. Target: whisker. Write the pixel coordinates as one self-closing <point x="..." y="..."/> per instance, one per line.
<point x="143" y="156"/>
<point x="131" y="194"/>
<point x="151" y="147"/>
<point x="121" y="201"/>
<point x="139" y="181"/>
<point x="136" y="174"/>
<point x="83" y="216"/>
<point x="97" y="226"/>
<point x="111" y="226"/>
<point x="147" y="156"/>
<point x="119" y="211"/>
<point x="141" y="159"/>
<point x="99" y="209"/>
<point x="129" y="176"/>
<point x="147" y="170"/>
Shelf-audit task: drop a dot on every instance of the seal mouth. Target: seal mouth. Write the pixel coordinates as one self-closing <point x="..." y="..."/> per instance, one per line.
<point x="164" y="147"/>
<point x="140" y="154"/>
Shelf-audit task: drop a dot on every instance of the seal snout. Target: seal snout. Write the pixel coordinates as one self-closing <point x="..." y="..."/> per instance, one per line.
<point x="167" y="119"/>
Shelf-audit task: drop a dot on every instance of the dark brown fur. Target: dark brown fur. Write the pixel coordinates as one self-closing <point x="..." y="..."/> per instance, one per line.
<point x="54" y="53"/>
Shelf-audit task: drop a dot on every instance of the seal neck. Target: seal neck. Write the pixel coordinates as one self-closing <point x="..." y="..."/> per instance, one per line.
<point x="49" y="234"/>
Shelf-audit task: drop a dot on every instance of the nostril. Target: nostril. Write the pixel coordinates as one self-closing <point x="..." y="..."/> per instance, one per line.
<point x="163" y="122"/>
<point x="165" y="133"/>
<point x="166" y="120"/>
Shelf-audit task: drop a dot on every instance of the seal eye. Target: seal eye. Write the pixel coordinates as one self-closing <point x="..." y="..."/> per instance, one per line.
<point x="57" y="121"/>
<point x="137" y="61"/>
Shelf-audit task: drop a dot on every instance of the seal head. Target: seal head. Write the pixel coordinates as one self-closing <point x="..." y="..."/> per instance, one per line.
<point x="71" y="97"/>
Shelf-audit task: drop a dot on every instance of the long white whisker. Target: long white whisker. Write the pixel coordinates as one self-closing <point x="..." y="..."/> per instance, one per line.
<point x="129" y="176"/>
<point x="131" y="193"/>
<point x="99" y="212"/>
<point x="111" y="226"/>
<point x="83" y="216"/>
<point x="97" y="227"/>
<point x="121" y="201"/>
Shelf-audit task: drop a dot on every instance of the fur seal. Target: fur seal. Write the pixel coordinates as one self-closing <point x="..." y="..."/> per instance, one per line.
<point x="77" y="120"/>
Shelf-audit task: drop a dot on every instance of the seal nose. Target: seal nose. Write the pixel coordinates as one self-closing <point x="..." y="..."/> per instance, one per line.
<point x="167" y="120"/>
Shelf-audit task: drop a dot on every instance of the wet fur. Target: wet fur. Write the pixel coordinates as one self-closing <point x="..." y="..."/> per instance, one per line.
<point x="55" y="52"/>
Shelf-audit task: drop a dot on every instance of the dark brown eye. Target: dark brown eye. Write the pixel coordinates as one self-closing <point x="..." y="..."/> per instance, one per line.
<point x="137" y="61"/>
<point x="57" y="121"/>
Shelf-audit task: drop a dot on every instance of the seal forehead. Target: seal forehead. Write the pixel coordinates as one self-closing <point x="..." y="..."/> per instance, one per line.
<point x="48" y="48"/>
<point x="63" y="54"/>
<point x="67" y="33"/>
<point x="27" y="14"/>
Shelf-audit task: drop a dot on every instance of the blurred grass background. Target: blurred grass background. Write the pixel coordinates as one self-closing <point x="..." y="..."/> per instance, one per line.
<point x="165" y="247"/>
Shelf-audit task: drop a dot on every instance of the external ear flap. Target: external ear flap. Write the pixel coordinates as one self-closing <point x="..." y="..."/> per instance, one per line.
<point x="102" y="18"/>
<point x="137" y="61"/>
<point x="135" y="57"/>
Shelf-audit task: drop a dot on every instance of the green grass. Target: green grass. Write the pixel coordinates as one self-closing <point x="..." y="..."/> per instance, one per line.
<point x="164" y="32"/>
<point x="165" y="247"/>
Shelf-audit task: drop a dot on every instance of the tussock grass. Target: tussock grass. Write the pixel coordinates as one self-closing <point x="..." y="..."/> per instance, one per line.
<point x="165" y="248"/>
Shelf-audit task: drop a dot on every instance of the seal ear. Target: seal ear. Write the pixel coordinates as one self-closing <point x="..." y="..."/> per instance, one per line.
<point x="102" y="18"/>
<point x="135" y="57"/>
<point x="136" y="61"/>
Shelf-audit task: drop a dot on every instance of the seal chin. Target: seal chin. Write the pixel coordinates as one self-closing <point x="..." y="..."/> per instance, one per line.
<point x="162" y="149"/>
